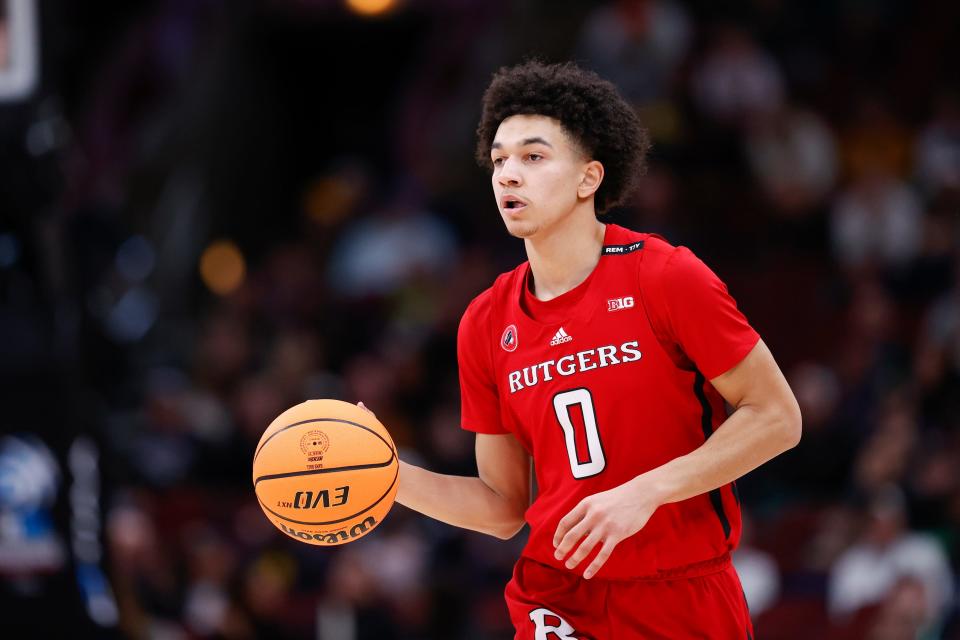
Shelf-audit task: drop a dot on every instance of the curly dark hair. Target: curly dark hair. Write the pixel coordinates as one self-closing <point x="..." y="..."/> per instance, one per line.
<point x="589" y="109"/>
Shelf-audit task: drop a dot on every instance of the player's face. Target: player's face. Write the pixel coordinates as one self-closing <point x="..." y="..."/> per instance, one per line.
<point x="536" y="172"/>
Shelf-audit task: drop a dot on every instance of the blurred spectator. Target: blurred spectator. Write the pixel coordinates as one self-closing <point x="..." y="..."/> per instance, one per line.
<point x="758" y="571"/>
<point x="817" y="391"/>
<point x="267" y="596"/>
<point x="793" y="156"/>
<point x="144" y="575"/>
<point x="822" y="460"/>
<point x="223" y="350"/>
<point x="937" y="360"/>
<point x="876" y="221"/>
<point x="885" y="456"/>
<point x="210" y="567"/>
<point x="737" y="80"/>
<point x="369" y="259"/>
<point x="836" y="529"/>
<point x="932" y="271"/>
<point x="868" y="356"/>
<point x="904" y="614"/>
<point x="255" y="404"/>
<point x="19" y="49"/>
<point x="938" y="148"/>
<point x="887" y="551"/>
<point x="656" y="201"/>
<point x="637" y="45"/>
<point x="942" y="325"/>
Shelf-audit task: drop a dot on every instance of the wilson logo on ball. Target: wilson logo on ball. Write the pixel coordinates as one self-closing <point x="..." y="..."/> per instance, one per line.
<point x="336" y="537"/>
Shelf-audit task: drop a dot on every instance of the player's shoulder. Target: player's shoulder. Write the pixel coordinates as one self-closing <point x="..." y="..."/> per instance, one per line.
<point x="654" y="252"/>
<point x="621" y="241"/>
<point x="490" y="302"/>
<point x="657" y="245"/>
<point x="662" y="267"/>
<point x="650" y="251"/>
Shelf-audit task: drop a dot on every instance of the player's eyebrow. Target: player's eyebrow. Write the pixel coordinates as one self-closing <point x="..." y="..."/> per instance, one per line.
<point x="525" y="142"/>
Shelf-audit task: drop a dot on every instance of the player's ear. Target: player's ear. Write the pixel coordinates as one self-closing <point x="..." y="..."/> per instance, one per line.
<point x="592" y="177"/>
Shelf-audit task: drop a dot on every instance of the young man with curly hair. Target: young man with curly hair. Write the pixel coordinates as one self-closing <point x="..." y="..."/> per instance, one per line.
<point x="606" y="359"/>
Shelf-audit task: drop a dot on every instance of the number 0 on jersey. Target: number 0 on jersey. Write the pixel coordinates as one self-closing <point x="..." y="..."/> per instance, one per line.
<point x="561" y="405"/>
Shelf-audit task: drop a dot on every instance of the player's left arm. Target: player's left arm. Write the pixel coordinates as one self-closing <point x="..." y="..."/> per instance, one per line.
<point x="765" y="423"/>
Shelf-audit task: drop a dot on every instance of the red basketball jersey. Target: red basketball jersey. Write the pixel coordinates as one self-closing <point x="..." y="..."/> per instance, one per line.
<point x="606" y="382"/>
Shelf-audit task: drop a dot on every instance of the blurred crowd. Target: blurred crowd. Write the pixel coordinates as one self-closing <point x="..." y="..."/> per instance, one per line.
<point x="212" y="211"/>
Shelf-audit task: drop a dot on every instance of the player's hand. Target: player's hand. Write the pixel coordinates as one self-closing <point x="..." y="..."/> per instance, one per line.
<point x="364" y="407"/>
<point x="603" y="519"/>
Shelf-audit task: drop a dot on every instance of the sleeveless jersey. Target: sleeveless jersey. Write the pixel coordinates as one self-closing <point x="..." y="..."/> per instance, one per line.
<point x="616" y="385"/>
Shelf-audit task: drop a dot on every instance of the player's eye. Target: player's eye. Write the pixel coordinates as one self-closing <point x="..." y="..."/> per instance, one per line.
<point x="534" y="157"/>
<point x="497" y="161"/>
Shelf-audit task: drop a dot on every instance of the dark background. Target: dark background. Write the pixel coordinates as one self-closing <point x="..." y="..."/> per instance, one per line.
<point x="212" y="210"/>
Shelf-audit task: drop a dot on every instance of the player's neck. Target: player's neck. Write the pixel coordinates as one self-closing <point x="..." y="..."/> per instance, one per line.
<point x="563" y="257"/>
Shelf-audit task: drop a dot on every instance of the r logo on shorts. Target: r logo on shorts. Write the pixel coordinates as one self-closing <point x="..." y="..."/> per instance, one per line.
<point x="560" y="631"/>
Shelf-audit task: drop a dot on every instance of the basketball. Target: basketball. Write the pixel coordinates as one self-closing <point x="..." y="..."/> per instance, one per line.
<point x="326" y="472"/>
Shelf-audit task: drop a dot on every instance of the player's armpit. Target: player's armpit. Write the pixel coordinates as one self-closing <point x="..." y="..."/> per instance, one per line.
<point x="757" y="384"/>
<point x="504" y="466"/>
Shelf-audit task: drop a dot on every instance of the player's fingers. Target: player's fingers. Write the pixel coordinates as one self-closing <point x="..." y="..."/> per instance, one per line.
<point x="601" y="558"/>
<point x="364" y="407"/>
<point x="571" y="538"/>
<point x="576" y="515"/>
<point x="584" y="550"/>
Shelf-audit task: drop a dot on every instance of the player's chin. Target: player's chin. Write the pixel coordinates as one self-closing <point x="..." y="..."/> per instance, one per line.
<point x="520" y="228"/>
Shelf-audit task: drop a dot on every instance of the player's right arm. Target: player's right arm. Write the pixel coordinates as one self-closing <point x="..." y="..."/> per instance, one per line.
<point x="493" y="503"/>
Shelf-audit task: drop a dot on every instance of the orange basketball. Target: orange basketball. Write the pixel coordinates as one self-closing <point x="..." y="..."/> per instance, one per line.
<point x="326" y="472"/>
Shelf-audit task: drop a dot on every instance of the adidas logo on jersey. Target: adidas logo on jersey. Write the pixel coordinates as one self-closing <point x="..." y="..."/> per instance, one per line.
<point x="560" y="337"/>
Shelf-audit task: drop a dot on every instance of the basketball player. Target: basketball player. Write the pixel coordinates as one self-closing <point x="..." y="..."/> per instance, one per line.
<point x="606" y="358"/>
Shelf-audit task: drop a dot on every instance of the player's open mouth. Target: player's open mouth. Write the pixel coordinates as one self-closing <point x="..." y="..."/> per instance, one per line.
<point x="514" y="204"/>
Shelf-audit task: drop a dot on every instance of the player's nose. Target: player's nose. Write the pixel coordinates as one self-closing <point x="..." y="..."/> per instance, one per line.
<point x="509" y="173"/>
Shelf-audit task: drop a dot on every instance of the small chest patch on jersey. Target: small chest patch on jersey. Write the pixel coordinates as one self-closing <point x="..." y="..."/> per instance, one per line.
<point x="509" y="338"/>
<point x="618" y="304"/>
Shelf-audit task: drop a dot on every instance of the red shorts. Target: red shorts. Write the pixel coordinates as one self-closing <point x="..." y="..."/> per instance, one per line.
<point x="549" y="604"/>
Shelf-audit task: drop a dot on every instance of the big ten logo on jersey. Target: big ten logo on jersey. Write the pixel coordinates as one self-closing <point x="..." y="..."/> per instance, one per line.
<point x="616" y="304"/>
<point x="550" y="626"/>
<point x="322" y="498"/>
